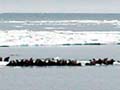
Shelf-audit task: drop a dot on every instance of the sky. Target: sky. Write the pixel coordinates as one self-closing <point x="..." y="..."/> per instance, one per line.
<point x="60" y="6"/>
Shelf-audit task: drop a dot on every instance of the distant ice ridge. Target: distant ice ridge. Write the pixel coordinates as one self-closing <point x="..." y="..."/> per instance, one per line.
<point x="46" y="38"/>
<point x="65" y="22"/>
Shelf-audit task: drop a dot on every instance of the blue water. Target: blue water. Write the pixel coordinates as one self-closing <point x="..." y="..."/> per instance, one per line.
<point x="60" y="78"/>
<point x="67" y="52"/>
<point x="51" y="21"/>
<point x="59" y="16"/>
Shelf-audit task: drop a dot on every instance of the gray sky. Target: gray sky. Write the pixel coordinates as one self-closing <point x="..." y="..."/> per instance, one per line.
<point x="81" y="6"/>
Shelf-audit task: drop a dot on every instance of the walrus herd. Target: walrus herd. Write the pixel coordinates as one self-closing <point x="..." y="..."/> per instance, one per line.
<point x="57" y="62"/>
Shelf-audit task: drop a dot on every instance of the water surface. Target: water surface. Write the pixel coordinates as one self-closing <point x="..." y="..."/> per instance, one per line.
<point x="59" y="78"/>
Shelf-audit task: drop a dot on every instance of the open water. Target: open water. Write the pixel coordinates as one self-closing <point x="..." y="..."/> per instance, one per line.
<point x="75" y="36"/>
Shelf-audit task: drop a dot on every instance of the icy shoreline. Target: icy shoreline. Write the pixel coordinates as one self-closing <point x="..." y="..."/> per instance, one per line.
<point x="51" y="38"/>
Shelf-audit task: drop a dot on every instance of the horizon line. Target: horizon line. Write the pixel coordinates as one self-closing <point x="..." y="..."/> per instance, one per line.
<point x="63" y="12"/>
